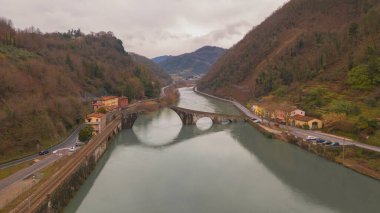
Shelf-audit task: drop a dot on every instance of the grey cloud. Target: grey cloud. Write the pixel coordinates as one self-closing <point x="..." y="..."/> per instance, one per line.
<point x="229" y="30"/>
<point x="148" y="27"/>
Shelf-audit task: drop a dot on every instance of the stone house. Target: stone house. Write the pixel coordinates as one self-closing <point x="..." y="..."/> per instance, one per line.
<point x="302" y="121"/>
<point x="97" y="121"/>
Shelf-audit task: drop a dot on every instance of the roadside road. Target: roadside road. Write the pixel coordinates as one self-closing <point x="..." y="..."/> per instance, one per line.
<point x="24" y="173"/>
<point x="296" y="131"/>
<point x="69" y="141"/>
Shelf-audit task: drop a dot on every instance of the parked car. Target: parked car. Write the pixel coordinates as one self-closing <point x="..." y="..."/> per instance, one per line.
<point x="311" y="138"/>
<point x="257" y="121"/>
<point x="78" y="144"/>
<point x="43" y="152"/>
<point x="328" y="143"/>
<point x="319" y="140"/>
<point x="72" y="149"/>
<point x="335" y="144"/>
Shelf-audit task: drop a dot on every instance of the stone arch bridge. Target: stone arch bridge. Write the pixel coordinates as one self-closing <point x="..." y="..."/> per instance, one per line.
<point x="190" y="117"/>
<point x="187" y="116"/>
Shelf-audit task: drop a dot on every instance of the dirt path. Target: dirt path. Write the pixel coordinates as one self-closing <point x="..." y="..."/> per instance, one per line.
<point x="11" y="192"/>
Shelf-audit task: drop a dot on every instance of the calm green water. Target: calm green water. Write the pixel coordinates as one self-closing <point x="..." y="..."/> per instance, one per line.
<point x="161" y="167"/>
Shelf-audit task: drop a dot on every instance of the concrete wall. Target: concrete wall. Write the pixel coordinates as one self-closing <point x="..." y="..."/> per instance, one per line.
<point x="60" y="197"/>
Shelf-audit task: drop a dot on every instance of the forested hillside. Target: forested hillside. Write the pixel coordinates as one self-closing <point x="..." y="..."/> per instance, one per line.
<point x="45" y="80"/>
<point x="321" y="55"/>
<point x="189" y="64"/>
<point x="161" y="74"/>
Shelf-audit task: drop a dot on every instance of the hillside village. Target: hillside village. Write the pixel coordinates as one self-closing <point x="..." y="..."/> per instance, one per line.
<point x="97" y="119"/>
<point x="286" y="115"/>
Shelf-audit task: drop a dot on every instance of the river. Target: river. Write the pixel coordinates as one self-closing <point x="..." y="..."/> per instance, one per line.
<point x="161" y="167"/>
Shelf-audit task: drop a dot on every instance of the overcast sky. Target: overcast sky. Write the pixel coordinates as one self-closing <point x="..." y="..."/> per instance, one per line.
<point x="147" y="27"/>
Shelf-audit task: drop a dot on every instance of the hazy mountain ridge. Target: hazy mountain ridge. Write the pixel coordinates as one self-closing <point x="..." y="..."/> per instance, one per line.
<point x="161" y="58"/>
<point x="155" y="68"/>
<point x="188" y="64"/>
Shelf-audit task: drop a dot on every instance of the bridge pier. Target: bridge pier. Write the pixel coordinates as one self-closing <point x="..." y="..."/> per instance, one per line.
<point x="128" y="119"/>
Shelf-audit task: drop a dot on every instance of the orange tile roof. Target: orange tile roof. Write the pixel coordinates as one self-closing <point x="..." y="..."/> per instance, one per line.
<point x="96" y="115"/>
<point x="105" y="98"/>
<point x="286" y="108"/>
<point x="303" y="118"/>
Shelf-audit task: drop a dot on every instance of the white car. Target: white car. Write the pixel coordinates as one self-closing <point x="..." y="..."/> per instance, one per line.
<point x="311" y="138"/>
<point x="258" y="121"/>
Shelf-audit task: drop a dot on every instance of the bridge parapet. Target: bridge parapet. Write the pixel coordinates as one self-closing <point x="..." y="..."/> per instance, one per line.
<point x="190" y="117"/>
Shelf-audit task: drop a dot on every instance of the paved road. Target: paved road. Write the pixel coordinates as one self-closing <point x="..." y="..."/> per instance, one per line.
<point x="69" y="141"/>
<point x="162" y="93"/>
<point x="39" y="165"/>
<point x="299" y="132"/>
<point x="24" y="173"/>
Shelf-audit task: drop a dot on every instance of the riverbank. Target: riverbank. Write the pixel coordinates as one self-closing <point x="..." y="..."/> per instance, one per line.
<point x="358" y="159"/>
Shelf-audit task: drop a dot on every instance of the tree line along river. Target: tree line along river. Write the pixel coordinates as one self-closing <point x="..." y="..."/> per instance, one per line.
<point x="160" y="166"/>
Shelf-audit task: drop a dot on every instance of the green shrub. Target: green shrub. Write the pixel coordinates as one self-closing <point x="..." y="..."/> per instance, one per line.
<point x="358" y="78"/>
<point x="85" y="134"/>
<point x="305" y="126"/>
<point x="365" y="76"/>
<point x="281" y="91"/>
<point x="342" y="106"/>
<point x="101" y="110"/>
<point x="370" y="102"/>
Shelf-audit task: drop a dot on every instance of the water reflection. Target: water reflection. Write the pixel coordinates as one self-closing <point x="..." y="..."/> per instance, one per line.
<point x="162" y="166"/>
<point x="204" y="123"/>
<point x="149" y="128"/>
<point x="318" y="180"/>
<point x="143" y="135"/>
<point x="190" y="100"/>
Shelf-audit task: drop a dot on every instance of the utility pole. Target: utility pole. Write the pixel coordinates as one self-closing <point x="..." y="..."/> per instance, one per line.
<point x="30" y="193"/>
<point x="344" y="140"/>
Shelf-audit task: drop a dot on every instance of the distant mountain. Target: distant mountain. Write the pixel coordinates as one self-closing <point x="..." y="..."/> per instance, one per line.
<point x="189" y="64"/>
<point x="160" y="73"/>
<point x="161" y="58"/>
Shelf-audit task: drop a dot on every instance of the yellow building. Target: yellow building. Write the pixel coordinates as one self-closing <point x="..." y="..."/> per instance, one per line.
<point x="301" y="121"/>
<point x="107" y="102"/>
<point x="97" y="121"/>
<point x="259" y="111"/>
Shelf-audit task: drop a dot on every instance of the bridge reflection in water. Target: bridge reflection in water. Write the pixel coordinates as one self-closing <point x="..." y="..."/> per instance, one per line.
<point x="187" y="116"/>
<point x="186" y="133"/>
